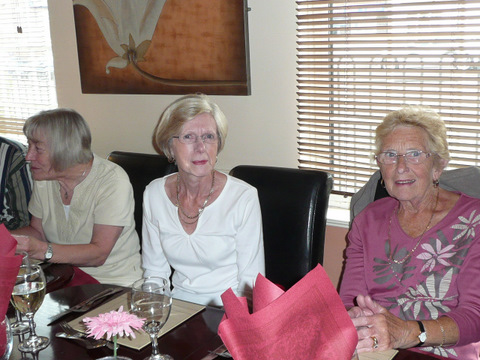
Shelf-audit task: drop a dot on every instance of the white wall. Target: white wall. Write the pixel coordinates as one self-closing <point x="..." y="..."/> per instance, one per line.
<point x="263" y="126"/>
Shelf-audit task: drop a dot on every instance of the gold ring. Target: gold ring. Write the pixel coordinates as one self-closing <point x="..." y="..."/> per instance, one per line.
<point x="375" y="342"/>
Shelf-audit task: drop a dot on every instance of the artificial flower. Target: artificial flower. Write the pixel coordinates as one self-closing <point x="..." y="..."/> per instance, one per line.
<point x="112" y="324"/>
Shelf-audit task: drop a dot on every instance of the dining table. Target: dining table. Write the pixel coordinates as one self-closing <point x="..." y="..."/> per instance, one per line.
<point x="57" y="275"/>
<point x="193" y="339"/>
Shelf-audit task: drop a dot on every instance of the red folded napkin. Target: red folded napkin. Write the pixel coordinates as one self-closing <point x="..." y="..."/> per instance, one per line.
<point x="9" y="265"/>
<point x="308" y="321"/>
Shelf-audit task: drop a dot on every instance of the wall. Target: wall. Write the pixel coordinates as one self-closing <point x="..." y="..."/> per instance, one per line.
<point x="335" y="242"/>
<point x="263" y="126"/>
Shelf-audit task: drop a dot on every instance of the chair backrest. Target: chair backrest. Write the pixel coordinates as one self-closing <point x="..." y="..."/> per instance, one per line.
<point x="459" y="180"/>
<point x="294" y="206"/>
<point x="141" y="169"/>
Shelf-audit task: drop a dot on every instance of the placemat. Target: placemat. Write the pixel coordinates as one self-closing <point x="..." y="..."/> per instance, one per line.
<point x="181" y="311"/>
<point x="378" y="355"/>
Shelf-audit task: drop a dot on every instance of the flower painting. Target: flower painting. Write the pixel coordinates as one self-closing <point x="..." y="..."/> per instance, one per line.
<point x="162" y="46"/>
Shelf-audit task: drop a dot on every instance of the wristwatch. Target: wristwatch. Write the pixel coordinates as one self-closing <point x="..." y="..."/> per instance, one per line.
<point x="48" y="253"/>
<point x="423" y="334"/>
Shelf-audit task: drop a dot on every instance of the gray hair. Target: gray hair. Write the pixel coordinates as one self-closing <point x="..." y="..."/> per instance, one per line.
<point x="420" y="117"/>
<point x="67" y="133"/>
<point x="182" y="111"/>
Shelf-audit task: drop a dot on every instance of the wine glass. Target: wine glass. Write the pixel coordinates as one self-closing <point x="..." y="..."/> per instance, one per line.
<point x="152" y="301"/>
<point x="6" y="339"/>
<point x="20" y="326"/>
<point x="355" y="355"/>
<point x="28" y="295"/>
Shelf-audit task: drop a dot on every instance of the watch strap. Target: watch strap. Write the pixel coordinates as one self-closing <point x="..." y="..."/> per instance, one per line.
<point x="422" y="337"/>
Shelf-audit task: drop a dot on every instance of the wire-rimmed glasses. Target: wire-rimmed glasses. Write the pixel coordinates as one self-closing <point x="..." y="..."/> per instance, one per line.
<point x="189" y="139"/>
<point x="411" y="156"/>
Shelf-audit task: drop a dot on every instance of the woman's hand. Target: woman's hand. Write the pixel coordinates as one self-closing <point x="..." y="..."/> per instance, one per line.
<point x="373" y="321"/>
<point x="34" y="247"/>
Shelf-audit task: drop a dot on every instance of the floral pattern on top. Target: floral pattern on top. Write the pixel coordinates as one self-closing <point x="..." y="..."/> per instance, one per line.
<point x="440" y="259"/>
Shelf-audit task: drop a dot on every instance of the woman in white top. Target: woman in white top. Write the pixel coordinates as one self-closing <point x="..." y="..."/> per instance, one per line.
<point x="82" y="205"/>
<point x="203" y="224"/>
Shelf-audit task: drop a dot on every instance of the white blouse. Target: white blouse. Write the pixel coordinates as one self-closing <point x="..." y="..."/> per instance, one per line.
<point x="225" y="250"/>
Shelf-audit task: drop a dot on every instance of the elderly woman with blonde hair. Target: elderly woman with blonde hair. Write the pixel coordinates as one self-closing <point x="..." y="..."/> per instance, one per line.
<point x="200" y="222"/>
<point x="412" y="271"/>
<point x="82" y="205"/>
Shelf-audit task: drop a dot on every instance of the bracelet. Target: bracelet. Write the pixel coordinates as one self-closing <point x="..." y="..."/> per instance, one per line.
<point x="443" y="333"/>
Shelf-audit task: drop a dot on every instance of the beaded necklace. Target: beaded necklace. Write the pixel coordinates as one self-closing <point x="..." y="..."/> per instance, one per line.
<point x="200" y="210"/>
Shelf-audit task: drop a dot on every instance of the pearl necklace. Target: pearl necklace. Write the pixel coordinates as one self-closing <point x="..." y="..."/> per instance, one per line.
<point x="200" y="210"/>
<point x="420" y="238"/>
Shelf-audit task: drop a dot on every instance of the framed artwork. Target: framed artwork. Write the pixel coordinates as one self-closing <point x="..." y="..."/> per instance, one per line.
<point x="163" y="46"/>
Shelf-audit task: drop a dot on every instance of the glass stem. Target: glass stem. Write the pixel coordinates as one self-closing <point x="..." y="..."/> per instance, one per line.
<point x="18" y="315"/>
<point x="153" y="337"/>
<point x="32" y="326"/>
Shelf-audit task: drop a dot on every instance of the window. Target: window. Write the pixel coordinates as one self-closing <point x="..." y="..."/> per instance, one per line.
<point x="27" y="83"/>
<point x="359" y="60"/>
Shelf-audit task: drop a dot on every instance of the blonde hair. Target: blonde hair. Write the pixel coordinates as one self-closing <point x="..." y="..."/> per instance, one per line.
<point x="182" y="111"/>
<point x="67" y="133"/>
<point x="420" y="117"/>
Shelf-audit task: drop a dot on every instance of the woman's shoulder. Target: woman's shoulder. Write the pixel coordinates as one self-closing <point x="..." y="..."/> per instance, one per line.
<point x="104" y="168"/>
<point x="158" y="183"/>
<point x="468" y="201"/>
<point x="234" y="184"/>
<point x="378" y="209"/>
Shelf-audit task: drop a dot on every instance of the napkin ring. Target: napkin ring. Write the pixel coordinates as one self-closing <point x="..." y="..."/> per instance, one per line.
<point x="375" y="342"/>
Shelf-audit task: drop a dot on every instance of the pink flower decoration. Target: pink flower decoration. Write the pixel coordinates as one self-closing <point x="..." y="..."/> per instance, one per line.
<point x="113" y="323"/>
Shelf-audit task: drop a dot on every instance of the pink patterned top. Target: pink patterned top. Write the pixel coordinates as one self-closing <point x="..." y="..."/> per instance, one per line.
<point x="441" y="277"/>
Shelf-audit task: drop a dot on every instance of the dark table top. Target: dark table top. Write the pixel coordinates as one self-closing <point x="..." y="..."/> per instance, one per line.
<point x="191" y="340"/>
<point x="58" y="275"/>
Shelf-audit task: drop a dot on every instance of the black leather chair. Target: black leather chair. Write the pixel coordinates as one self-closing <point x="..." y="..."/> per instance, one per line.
<point x="141" y="169"/>
<point x="294" y="207"/>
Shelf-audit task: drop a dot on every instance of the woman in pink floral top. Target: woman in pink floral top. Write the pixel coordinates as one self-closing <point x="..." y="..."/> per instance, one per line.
<point x="412" y="275"/>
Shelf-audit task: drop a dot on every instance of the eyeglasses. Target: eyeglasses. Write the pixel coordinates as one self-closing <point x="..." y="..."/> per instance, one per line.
<point x="190" y="139"/>
<point x="411" y="156"/>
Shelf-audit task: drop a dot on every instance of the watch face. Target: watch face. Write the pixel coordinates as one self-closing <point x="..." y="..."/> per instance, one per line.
<point x="422" y="337"/>
<point x="49" y="253"/>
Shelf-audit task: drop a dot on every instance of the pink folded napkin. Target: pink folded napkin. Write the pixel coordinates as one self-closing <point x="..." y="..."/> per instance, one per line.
<point x="308" y="321"/>
<point x="9" y="265"/>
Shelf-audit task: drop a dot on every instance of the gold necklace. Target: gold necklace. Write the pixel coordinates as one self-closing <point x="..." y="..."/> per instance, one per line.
<point x="200" y="210"/>
<point x="65" y="195"/>
<point x="420" y="237"/>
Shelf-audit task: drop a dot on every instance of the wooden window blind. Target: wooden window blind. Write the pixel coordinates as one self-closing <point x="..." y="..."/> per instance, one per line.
<point x="27" y="83"/>
<point x="359" y="60"/>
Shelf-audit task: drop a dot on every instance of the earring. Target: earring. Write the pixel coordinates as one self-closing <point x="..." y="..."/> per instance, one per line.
<point x="171" y="159"/>
<point x="435" y="183"/>
<point x="382" y="182"/>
